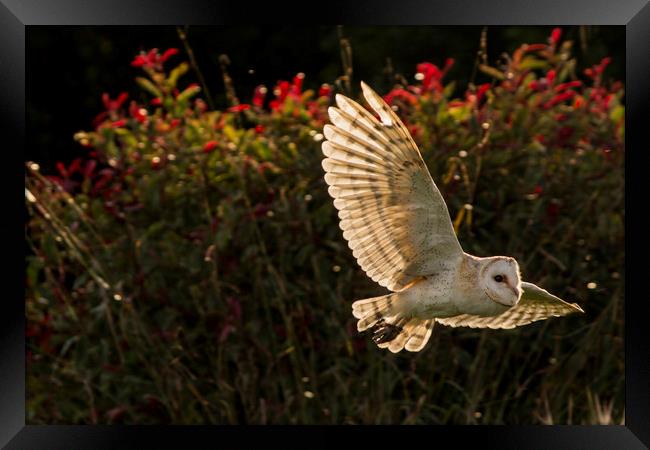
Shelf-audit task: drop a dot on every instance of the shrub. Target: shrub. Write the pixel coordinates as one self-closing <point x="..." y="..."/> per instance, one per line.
<point x="190" y="268"/>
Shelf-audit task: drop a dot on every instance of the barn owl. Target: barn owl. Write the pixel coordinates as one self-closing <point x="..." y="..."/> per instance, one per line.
<point x="399" y="229"/>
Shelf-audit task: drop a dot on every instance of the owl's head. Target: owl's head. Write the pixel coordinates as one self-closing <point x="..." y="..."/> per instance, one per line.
<point x="500" y="279"/>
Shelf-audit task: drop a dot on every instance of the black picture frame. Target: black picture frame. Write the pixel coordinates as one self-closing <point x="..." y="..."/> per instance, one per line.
<point x="16" y="15"/>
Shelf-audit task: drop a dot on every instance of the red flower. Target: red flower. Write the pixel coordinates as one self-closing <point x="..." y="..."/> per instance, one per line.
<point x="99" y="119"/>
<point x="578" y="102"/>
<point x="608" y="98"/>
<point x="480" y="92"/>
<point x="559" y="99"/>
<point x="152" y="59"/>
<point x="324" y="90"/>
<point x="75" y="166"/>
<point x="118" y="123"/>
<point x="61" y="168"/>
<point x="106" y="176"/>
<point x="534" y="47"/>
<point x="603" y="63"/>
<point x="570" y="84"/>
<point x="555" y="36"/>
<point x="598" y="69"/>
<point x="283" y="90"/>
<point x="296" y="88"/>
<point x="239" y="108"/>
<point x="259" y="95"/>
<point x="209" y="146"/>
<point x="156" y="101"/>
<point x="550" y="76"/>
<point x="259" y="129"/>
<point x="449" y="62"/>
<point x="114" y="105"/>
<point x="168" y="54"/>
<point x="139" y="61"/>
<point x="138" y="113"/>
<point x="543" y="83"/>
<point x="430" y="75"/>
<point x="401" y="94"/>
<point x="90" y="168"/>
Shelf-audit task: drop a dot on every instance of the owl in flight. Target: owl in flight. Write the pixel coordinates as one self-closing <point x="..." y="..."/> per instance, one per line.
<point x="399" y="229"/>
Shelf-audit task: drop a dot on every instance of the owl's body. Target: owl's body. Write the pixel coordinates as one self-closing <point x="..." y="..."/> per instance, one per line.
<point x="451" y="291"/>
<point x="398" y="227"/>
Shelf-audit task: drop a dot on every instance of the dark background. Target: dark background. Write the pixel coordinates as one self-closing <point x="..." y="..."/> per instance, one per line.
<point x="68" y="68"/>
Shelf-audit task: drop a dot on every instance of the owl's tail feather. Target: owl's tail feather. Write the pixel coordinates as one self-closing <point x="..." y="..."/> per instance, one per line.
<point x="391" y="329"/>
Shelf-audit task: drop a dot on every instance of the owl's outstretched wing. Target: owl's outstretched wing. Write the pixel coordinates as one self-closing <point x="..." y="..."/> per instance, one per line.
<point x="392" y="214"/>
<point x="535" y="304"/>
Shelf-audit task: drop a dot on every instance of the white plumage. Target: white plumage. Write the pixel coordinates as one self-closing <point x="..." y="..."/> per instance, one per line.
<point x="397" y="224"/>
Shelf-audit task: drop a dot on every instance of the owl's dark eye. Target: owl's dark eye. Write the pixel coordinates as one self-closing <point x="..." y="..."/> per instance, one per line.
<point x="498" y="278"/>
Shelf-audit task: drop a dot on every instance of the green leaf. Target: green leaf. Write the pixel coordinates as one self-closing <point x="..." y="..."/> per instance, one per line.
<point x="176" y="73"/>
<point x="496" y="73"/>
<point x="262" y="150"/>
<point x="459" y="113"/>
<point x="148" y="86"/>
<point x="188" y="93"/>
<point x="231" y="133"/>
<point x="617" y="113"/>
<point x="449" y="89"/>
<point x="530" y="63"/>
<point x="567" y="69"/>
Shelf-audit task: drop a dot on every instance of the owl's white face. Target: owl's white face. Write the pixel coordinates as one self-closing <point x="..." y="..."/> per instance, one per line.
<point x="501" y="280"/>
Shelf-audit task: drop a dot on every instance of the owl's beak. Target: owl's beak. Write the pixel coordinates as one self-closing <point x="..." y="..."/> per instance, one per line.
<point x="516" y="291"/>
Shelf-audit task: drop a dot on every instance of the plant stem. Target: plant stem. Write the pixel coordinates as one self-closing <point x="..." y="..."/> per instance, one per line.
<point x="182" y="34"/>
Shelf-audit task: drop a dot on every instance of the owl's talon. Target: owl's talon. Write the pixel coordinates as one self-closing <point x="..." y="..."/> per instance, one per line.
<point x="385" y="332"/>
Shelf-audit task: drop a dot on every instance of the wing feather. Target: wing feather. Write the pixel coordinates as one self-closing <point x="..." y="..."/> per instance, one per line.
<point x="391" y="212"/>
<point x="535" y="304"/>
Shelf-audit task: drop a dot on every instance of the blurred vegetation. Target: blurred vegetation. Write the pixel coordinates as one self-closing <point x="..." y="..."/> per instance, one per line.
<point x="82" y="62"/>
<point x="189" y="268"/>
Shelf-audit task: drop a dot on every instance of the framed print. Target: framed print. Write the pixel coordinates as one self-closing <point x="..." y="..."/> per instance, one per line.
<point x="240" y="225"/>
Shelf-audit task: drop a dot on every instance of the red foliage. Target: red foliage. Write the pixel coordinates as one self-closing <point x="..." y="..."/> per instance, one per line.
<point x="209" y="146"/>
<point x="555" y="36"/>
<point x="239" y="108"/>
<point x="152" y="59"/>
